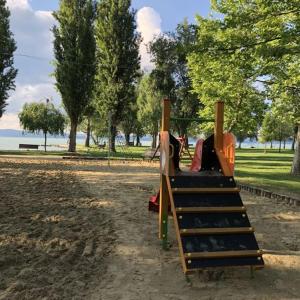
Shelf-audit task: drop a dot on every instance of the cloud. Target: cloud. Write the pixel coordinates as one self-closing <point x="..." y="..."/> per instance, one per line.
<point x="149" y="25"/>
<point x="31" y="93"/>
<point x="32" y="32"/>
<point x="10" y="121"/>
<point x="18" y="4"/>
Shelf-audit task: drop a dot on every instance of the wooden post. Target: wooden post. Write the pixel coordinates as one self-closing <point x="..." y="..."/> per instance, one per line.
<point x="219" y="125"/>
<point x="164" y="195"/>
<point x="166" y="115"/>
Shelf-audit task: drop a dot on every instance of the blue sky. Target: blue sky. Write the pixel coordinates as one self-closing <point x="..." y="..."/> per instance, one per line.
<point x="31" y="21"/>
<point x="171" y="11"/>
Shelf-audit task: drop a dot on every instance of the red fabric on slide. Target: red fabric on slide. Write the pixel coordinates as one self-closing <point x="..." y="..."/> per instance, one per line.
<point x="197" y="160"/>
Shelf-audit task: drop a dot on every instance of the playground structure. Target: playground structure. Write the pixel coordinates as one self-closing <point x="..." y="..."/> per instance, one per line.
<point x="211" y="223"/>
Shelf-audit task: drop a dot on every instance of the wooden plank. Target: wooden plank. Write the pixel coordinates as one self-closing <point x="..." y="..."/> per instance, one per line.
<point x="180" y="246"/>
<point x="205" y="190"/>
<point x="207" y="231"/>
<point x="192" y="271"/>
<point x="166" y="115"/>
<point x="163" y="211"/>
<point x="210" y="209"/>
<point x="219" y="124"/>
<point x="223" y="254"/>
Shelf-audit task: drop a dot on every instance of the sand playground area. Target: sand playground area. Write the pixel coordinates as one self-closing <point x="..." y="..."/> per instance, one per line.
<point x="82" y="230"/>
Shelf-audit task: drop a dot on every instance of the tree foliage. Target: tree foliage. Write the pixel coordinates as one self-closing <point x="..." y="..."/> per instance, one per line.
<point x="170" y="52"/>
<point x="74" y="48"/>
<point x="149" y="106"/>
<point x="7" y="48"/>
<point x="227" y="77"/>
<point x="42" y="117"/>
<point x="117" y="59"/>
<point x="258" y="41"/>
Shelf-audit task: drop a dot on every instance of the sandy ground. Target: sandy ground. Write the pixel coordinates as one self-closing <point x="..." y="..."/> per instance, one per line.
<point x="81" y="230"/>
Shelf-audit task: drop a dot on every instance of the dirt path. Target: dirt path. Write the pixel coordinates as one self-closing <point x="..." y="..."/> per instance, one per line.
<point x="139" y="269"/>
<point x="90" y="236"/>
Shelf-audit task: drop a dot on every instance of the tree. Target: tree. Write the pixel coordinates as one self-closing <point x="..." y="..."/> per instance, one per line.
<point x="264" y="34"/>
<point x="118" y="61"/>
<point x="149" y="107"/>
<point x="88" y="115"/>
<point x="74" y="49"/>
<point x="7" y="48"/>
<point x="129" y="122"/>
<point x="37" y="117"/>
<point x="228" y="77"/>
<point x="170" y="52"/>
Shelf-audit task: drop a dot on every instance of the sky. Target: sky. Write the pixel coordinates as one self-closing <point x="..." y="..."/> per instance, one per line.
<point x="31" y="21"/>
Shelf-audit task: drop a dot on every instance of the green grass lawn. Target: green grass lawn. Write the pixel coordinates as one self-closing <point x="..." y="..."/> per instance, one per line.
<point x="122" y="152"/>
<point x="269" y="170"/>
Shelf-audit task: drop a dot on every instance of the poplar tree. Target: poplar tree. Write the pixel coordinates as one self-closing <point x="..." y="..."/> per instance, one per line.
<point x="118" y="61"/>
<point x="74" y="49"/>
<point x="7" y="48"/>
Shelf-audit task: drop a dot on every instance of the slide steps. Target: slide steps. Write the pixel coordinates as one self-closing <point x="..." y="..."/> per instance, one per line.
<point x="211" y="223"/>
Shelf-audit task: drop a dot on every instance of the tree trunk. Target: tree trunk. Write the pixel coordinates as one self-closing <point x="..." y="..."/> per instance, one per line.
<point x="279" y="149"/>
<point x="294" y="138"/>
<point x="154" y="140"/>
<point x="88" y="133"/>
<point x="284" y="144"/>
<point x="45" y="143"/>
<point x="240" y="144"/>
<point x="138" y="140"/>
<point x="94" y="139"/>
<point x="112" y="139"/>
<point x="296" y="162"/>
<point x="72" y="137"/>
<point x="127" y="139"/>
<point x="271" y="144"/>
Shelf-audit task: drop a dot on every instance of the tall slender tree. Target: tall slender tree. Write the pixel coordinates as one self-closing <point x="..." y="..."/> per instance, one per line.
<point x="74" y="48"/>
<point x="170" y="53"/>
<point x="7" y="48"/>
<point x="149" y="107"/>
<point x="118" y="61"/>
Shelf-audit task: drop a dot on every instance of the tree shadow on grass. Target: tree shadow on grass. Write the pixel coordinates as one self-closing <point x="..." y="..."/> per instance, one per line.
<point x="265" y="158"/>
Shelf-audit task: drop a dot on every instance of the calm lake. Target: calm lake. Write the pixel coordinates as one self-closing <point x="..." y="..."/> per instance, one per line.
<point x="60" y="143"/>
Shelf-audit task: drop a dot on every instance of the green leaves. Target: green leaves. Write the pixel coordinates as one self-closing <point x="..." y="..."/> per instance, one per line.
<point x="149" y="105"/>
<point x="7" y="48"/>
<point x="170" y="76"/>
<point x="118" y="60"/>
<point x="74" y="49"/>
<point x="36" y="117"/>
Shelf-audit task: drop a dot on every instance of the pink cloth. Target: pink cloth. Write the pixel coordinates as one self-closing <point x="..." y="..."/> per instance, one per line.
<point x="197" y="160"/>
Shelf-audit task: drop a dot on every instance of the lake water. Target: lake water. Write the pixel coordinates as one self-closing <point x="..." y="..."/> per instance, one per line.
<point x="60" y="143"/>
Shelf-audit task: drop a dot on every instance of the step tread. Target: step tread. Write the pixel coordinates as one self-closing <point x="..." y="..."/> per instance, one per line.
<point x="205" y="231"/>
<point x="205" y="190"/>
<point x="220" y="254"/>
<point x="210" y="209"/>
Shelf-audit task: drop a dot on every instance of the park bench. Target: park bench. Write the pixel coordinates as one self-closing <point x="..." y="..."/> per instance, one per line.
<point x="131" y="144"/>
<point x="28" y="146"/>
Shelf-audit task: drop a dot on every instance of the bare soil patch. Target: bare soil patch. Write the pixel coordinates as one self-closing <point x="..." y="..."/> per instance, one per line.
<point x="81" y="230"/>
<point x="53" y="234"/>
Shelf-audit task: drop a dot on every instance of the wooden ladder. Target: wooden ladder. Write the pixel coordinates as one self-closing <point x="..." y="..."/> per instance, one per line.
<point x="211" y="223"/>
